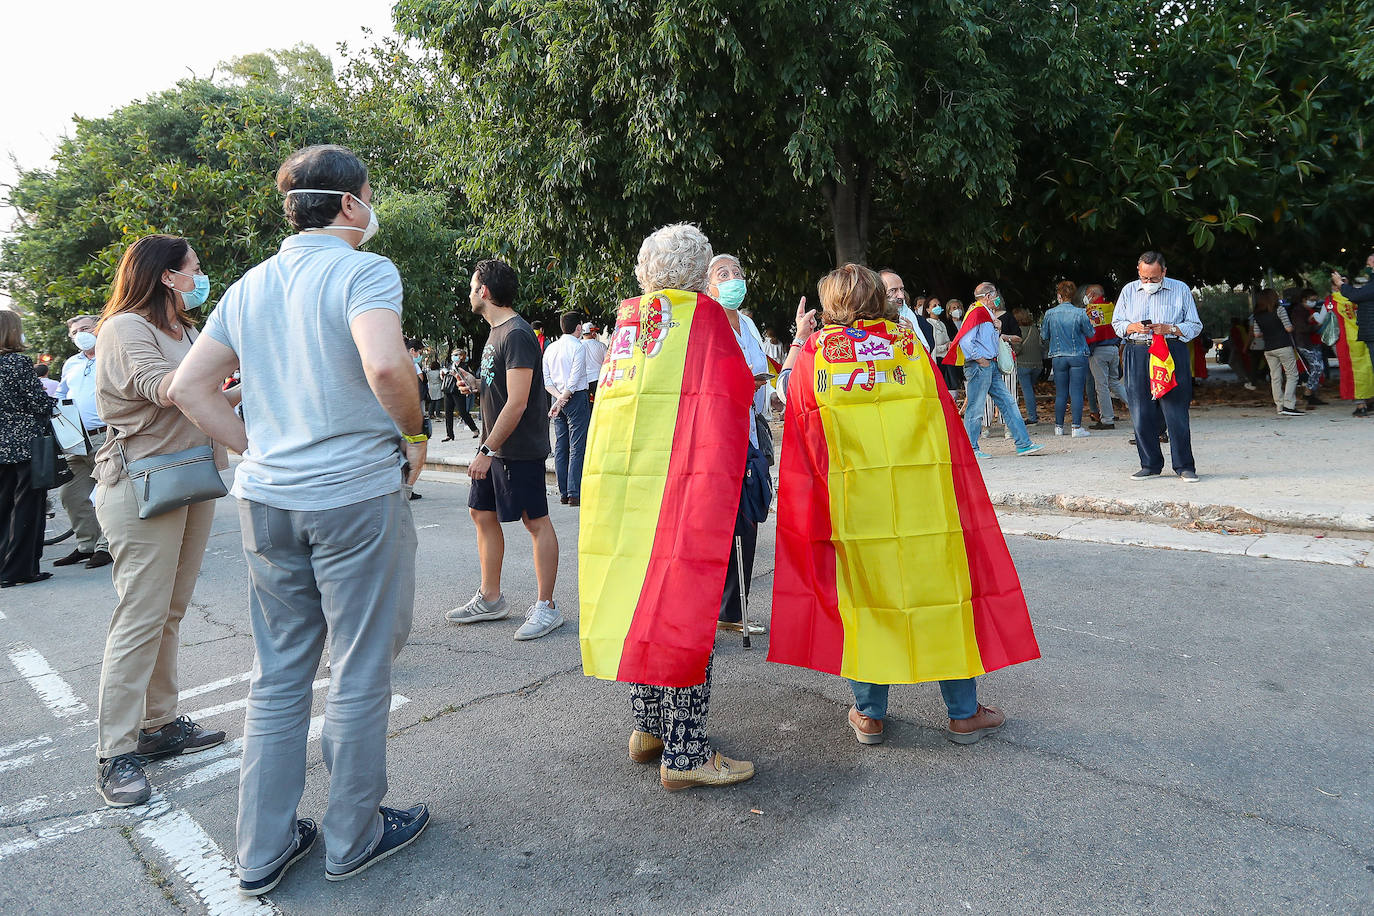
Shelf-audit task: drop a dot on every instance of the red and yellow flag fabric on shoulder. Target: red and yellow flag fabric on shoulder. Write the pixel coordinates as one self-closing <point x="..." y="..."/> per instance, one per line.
<point x="660" y="489"/>
<point x="891" y="567"/>
<point x="1162" y="377"/>
<point x="978" y="314"/>
<point x="1357" y="375"/>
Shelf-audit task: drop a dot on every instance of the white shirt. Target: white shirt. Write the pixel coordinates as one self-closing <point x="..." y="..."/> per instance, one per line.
<point x="78" y="383"/>
<point x="565" y="366"/>
<point x="594" y="352"/>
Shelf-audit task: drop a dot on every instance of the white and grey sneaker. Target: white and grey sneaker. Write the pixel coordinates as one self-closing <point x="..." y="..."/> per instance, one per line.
<point x="540" y="620"/>
<point x="479" y="609"/>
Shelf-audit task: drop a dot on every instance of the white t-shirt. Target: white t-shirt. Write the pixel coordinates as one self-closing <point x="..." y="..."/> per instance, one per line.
<point x="565" y="367"/>
<point x="318" y="438"/>
<point x="595" y="356"/>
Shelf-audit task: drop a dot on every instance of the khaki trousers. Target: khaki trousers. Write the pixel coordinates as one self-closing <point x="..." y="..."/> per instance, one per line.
<point x="76" y="499"/>
<point x="156" y="562"/>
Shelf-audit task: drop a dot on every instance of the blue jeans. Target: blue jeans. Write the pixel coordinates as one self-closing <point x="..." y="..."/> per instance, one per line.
<point x="1026" y="379"/>
<point x="961" y="698"/>
<point x="1172" y="409"/>
<point x="570" y="443"/>
<point x="1070" y="374"/>
<point x="981" y="382"/>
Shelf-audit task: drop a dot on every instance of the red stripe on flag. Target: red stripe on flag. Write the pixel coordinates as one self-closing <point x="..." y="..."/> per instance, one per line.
<point x="805" y="584"/>
<point x="1004" y="634"/>
<point x="977" y="315"/>
<point x="674" y="625"/>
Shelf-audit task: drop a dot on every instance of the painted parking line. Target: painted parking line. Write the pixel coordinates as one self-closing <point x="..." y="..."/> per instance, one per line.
<point x="212" y="764"/>
<point x="201" y="864"/>
<point x="209" y="711"/>
<point x="192" y="692"/>
<point x="55" y="692"/>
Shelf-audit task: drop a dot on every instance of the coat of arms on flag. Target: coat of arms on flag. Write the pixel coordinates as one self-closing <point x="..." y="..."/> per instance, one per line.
<point x="1162" y="379"/>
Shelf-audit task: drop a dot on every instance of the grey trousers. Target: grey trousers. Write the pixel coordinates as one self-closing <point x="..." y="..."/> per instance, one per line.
<point x="76" y="500"/>
<point x="1103" y="361"/>
<point x="346" y="575"/>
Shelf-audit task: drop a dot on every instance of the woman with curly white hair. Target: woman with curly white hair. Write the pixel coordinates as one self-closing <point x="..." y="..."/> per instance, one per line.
<point x="661" y="485"/>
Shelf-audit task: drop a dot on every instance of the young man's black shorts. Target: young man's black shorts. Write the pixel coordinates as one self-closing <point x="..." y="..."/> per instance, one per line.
<point x="511" y="489"/>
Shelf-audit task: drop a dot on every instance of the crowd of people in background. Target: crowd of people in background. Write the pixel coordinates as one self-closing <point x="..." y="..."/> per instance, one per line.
<point x="325" y="481"/>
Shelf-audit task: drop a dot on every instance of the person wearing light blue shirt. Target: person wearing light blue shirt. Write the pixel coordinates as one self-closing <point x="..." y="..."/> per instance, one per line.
<point x="982" y="378"/>
<point x="1158" y="304"/>
<point x="78" y="385"/>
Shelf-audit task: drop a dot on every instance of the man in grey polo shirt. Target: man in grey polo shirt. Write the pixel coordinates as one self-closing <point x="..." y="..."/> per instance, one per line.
<point x="327" y="534"/>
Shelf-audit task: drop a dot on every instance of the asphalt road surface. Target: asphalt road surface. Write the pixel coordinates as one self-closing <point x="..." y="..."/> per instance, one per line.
<point x="1197" y="738"/>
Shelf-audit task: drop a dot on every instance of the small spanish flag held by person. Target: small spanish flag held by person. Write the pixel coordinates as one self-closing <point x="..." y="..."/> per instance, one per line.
<point x="1162" y="379"/>
<point x="978" y="314"/>
<point x="661" y="489"/>
<point x="890" y="567"/>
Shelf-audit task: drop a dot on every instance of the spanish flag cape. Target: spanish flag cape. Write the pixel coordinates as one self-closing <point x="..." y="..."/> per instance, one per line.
<point x="1357" y="375"/>
<point x="1100" y="314"/>
<point x="891" y="567"/>
<point x="978" y="314"/>
<point x="660" y="489"/>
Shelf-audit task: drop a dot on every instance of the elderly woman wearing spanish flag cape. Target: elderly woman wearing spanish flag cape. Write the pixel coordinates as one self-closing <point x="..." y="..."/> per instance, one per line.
<point x="660" y="490"/>
<point x="891" y="567"/>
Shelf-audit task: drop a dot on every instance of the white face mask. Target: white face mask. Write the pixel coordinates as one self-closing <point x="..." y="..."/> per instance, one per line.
<point x="84" y="340"/>
<point x="1150" y="289"/>
<point x="372" y="223"/>
<point x="1311" y="303"/>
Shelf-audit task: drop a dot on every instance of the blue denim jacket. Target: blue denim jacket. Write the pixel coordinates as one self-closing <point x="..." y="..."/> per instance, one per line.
<point x="1065" y="330"/>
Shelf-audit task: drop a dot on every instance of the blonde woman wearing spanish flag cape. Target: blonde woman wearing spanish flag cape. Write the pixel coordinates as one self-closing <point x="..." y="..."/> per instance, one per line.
<point x="878" y="481"/>
<point x="661" y="488"/>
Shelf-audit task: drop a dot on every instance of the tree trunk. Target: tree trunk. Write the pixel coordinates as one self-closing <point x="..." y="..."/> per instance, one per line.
<point x="850" y="201"/>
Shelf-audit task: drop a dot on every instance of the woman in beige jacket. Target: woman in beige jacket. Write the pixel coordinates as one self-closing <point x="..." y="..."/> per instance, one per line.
<point x="145" y="332"/>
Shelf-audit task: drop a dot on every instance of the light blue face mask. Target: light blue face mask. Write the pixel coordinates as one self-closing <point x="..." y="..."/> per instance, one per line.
<point x="731" y="293"/>
<point x="938" y="310"/>
<point x="195" y="298"/>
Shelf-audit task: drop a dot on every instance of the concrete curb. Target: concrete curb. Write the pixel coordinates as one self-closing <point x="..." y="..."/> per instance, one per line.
<point x="1304" y="548"/>
<point x="1181" y="511"/>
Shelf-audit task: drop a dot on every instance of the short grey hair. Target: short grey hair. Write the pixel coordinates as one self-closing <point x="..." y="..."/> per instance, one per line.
<point x="1152" y="257"/>
<point x="75" y="318"/>
<point x="723" y="257"/>
<point x="674" y="257"/>
<point x="982" y="289"/>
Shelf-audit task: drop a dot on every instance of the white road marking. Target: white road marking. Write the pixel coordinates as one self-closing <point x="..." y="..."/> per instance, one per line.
<point x="25" y="745"/>
<point x="214" y="763"/>
<point x="17" y="763"/>
<point x="55" y="692"/>
<point x="209" y="711"/>
<point x="211" y="687"/>
<point x="201" y="864"/>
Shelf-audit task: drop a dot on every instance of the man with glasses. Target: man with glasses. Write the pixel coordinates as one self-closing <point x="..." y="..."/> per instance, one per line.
<point x="78" y="384"/>
<point x="1158" y="304"/>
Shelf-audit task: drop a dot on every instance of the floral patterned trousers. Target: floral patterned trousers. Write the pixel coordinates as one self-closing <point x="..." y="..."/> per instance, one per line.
<point x="677" y="715"/>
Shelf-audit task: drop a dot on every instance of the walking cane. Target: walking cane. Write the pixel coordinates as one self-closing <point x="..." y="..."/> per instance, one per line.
<point x="743" y="590"/>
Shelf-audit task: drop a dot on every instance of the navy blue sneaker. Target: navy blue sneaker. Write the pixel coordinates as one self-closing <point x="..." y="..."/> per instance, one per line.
<point x="306" y="831"/>
<point x="399" y="830"/>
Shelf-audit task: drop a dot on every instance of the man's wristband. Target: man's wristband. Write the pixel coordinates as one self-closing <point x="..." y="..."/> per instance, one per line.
<point x="413" y="440"/>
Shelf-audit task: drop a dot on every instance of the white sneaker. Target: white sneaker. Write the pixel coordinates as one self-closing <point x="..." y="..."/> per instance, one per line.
<point x="1080" y="433"/>
<point x="540" y="620"/>
<point x="478" y="609"/>
<point x="1059" y="430"/>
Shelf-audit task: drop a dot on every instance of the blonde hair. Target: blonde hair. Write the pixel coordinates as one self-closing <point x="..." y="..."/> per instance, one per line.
<point x="674" y="257"/>
<point x="851" y="292"/>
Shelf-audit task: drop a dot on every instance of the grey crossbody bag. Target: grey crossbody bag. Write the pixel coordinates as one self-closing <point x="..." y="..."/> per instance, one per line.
<point x="166" y="482"/>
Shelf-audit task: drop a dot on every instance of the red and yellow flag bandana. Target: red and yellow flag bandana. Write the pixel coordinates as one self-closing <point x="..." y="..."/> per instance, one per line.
<point x="1162" y="379"/>
<point x="660" y="489"/>
<point x="891" y="567"/>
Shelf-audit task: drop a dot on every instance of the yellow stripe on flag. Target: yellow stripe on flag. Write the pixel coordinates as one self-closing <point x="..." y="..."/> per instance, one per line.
<point x="902" y="576"/>
<point x="623" y="480"/>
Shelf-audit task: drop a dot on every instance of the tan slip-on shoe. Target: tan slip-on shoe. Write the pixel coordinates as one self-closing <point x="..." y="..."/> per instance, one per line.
<point x="977" y="726"/>
<point x="866" y="729"/>
<point x="718" y="771"/>
<point x="644" y="747"/>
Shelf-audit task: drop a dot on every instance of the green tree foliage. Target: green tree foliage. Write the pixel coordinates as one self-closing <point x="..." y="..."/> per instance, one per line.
<point x="200" y="161"/>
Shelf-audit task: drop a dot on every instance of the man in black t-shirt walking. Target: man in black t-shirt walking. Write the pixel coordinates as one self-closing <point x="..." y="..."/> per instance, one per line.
<point x="508" y="470"/>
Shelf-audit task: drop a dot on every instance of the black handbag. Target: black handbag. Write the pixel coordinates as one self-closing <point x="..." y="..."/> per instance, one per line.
<point x="757" y="493"/>
<point x="48" y="470"/>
